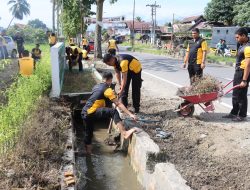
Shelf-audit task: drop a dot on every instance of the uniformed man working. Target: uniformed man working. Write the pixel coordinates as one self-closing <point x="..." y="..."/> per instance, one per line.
<point x="241" y="77"/>
<point x="127" y="68"/>
<point x="36" y="53"/>
<point x="76" y="57"/>
<point x="196" y="55"/>
<point x="112" y="46"/>
<point x="84" y="44"/>
<point x="97" y="107"/>
<point x="26" y="64"/>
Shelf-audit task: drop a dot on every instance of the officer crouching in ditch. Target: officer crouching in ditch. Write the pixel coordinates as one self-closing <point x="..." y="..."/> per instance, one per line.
<point x="127" y="68"/>
<point x="96" y="108"/>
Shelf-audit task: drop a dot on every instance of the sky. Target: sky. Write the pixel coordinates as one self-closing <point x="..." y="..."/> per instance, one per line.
<point x="41" y="9"/>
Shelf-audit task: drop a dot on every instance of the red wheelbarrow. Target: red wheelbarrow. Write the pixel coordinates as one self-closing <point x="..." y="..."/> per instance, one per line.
<point x="205" y="101"/>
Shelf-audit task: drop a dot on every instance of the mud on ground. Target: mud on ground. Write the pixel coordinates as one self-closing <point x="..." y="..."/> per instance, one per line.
<point x="209" y="153"/>
<point x="36" y="160"/>
<point x="7" y="77"/>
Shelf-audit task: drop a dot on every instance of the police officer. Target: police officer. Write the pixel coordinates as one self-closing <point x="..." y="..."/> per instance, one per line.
<point x="76" y="57"/>
<point x="112" y="46"/>
<point x="196" y="55"/>
<point x="52" y="39"/>
<point x="98" y="106"/>
<point x="19" y="41"/>
<point x="241" y="77"/>
<point x="36" y="53"/>
<point x="84" y="44"/>
<point x="127" y="68"/>
<point x="26" y="64"/>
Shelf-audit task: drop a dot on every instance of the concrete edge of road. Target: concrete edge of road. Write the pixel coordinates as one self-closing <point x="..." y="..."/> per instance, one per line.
<point x="150" y="164"/>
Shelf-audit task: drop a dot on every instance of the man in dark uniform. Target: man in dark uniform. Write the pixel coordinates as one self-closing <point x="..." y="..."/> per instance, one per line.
<point x="127" y="68"/>
<point x="196" y="55"/>
<point x="97" y="107"/>
<point x="241" y="77"/>
<point x="19" y="42"/>
<point x="36" y="53"/>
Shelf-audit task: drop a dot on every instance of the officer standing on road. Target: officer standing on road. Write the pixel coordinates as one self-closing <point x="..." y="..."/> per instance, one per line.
<point x="97" y="107"/>
<point x="241" y="77"/>
<point x="196" y="55"/>
<point x="127" y="68"/>
<point x="112" y="46"/>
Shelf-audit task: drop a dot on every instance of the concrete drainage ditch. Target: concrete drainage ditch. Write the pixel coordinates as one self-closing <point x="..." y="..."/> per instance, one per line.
<point x="141" y="166"/>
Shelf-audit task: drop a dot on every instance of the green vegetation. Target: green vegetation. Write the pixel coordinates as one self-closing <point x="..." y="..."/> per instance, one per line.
<point x="230" y="12"/>
<point x="3" y="63"/>
<point x="215" y="58"/>
<point x="19" y="8"/>
<point x="147" y="48"/>
<point x="30" y="34"/>
<point x="22" y="98"/>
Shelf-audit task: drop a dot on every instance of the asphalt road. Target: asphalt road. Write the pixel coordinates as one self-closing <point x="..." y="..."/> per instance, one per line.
<point x="170" y="71"/>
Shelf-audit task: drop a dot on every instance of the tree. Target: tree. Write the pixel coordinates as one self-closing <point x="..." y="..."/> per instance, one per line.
<point x="242" y="13"/>
<point x="98" y="30"/>
<point x="36" y="23"/>
<point x="72" y="16"/>
<point x="19" y="8"/>
<point x="139" y="19"/>
<point x="220" y="11"/>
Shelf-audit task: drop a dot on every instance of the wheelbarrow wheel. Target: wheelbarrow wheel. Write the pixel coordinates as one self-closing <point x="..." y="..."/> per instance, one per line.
<point x="185" y="110"/>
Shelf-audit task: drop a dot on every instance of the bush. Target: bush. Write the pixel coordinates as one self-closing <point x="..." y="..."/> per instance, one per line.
<point x="22" y="97"/>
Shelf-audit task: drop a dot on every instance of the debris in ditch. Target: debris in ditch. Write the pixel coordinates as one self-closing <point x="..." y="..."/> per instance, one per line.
<point x="70" y="181"/>
<point x="202" y="85"/>
<point x="163" y="134"/>
<point x="68" y="174"/>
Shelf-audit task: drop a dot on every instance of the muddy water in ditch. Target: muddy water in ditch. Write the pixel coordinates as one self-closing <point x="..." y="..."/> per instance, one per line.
<point x="105" y="169"/>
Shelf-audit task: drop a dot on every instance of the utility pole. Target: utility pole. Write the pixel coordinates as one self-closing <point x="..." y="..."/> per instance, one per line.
<point x="153" y="14"/>
<point x="172" y="34"/>
<point x="133" y="28"/>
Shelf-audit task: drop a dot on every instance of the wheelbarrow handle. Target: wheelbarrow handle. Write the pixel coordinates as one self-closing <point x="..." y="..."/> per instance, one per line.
<point x="228" y="84"/>
<point x="236" y="86"/>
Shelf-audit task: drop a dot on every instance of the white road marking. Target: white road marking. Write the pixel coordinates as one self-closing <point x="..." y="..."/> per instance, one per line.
<point x="162" y="79"/>
<point x="178" y="85"/>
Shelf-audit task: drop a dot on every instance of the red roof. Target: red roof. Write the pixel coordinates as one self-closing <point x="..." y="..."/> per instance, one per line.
<point x="138" y="25"/>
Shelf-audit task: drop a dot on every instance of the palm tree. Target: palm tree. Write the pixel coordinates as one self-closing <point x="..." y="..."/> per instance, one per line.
<point x="19" y="8"/>
<point x="138" y="18"/>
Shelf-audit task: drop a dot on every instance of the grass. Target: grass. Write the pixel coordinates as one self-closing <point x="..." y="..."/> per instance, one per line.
<point x="22" y="97"/>
<point x="215" y="58"/>
<point x="78" y="82"/>
<point x="147" y="48"/>
<point x="3" y="63"/>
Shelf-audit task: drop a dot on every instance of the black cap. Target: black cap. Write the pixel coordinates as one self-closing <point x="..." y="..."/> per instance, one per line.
<point x="107" y="57"/>
<point x="107" y="75"/>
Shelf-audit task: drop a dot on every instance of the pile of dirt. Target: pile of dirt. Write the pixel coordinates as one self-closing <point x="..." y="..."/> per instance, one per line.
<point x="7" y="77"/>
<point x="210" y="155"/>
<point x="203" y="85"/>
<point x="35" y="161"/>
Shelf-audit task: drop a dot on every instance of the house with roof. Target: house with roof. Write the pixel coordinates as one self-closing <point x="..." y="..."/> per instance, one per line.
<point x="189" y="23"/>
